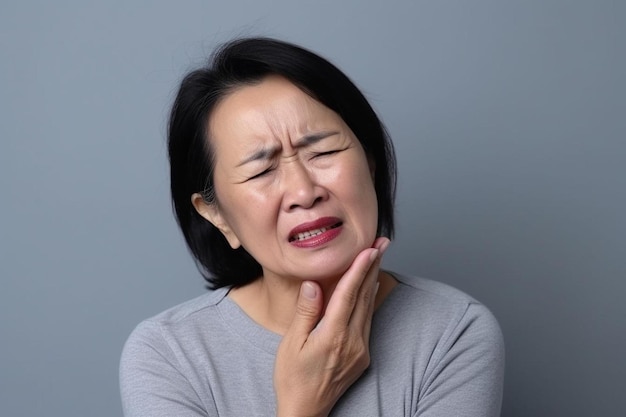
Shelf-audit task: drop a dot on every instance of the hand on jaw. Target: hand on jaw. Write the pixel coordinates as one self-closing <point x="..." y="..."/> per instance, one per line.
<point x="320" y="357"/>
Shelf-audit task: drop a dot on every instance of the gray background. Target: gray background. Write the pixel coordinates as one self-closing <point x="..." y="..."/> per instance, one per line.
<point x="508" y="119"/>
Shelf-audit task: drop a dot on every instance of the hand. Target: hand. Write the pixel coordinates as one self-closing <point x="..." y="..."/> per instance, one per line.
<point x="318" y="360"/>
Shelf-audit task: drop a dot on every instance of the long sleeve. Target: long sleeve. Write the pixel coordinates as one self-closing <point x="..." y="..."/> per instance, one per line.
<point x="151" y="381"/>
<point x="435" y="352"/>
<point x="467" y="379"/>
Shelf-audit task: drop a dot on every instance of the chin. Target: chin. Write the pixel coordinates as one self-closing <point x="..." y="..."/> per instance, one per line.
<point x="331" y="270"/>
<point x="327" y="276"/>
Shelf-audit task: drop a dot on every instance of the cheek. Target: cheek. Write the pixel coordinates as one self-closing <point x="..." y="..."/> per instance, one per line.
<point x="249" y="213"/>
<point x="360" y="196"/>
<point x="369" y="200"/>
<point x="370" y="206"/>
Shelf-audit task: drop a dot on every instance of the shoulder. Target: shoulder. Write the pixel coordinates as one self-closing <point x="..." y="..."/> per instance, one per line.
<point x="189" y="309"/>
<point x="422" y="292"/>
<point x="426" y="288"/>
<point x="158" y="361"/>
<point x="154" y="354"/>
<point x="451" y="342"/>
<point x="434" y="308"/>
<point x="155" y="333"/>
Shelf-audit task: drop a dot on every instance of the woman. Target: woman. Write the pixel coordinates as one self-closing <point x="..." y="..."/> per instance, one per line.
<point x="283" y="181"/>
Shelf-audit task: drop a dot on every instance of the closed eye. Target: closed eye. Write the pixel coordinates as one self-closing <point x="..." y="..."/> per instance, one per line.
<point x="261" y="174"/>
<point x="327" y="153"/>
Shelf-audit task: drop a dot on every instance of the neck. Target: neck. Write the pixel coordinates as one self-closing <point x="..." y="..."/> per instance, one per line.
<point x="271" y="302"/>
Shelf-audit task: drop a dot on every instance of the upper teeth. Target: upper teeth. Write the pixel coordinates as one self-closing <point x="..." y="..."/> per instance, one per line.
<point x="309" y="233"/>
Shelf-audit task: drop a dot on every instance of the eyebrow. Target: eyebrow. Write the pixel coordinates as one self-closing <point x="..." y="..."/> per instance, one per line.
<point x="306" y="140"/>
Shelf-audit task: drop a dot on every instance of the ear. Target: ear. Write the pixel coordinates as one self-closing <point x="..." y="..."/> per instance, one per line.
<point x="211" y="212"/>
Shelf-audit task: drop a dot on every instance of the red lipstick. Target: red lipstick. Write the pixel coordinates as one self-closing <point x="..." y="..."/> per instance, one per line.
<point x="315" y="233"/>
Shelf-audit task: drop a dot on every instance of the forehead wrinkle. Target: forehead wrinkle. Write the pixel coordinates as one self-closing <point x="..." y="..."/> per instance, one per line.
<point x="255" y="146"/>
<point x="272" y="125"/>
<point x="287" y="122"/>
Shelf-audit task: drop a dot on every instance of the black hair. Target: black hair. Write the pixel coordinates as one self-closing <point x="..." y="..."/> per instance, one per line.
<point x="244" y="62"/>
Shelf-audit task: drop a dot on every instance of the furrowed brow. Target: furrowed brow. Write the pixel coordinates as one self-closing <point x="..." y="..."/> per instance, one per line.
<point x="313" y="138"/>
<point x="269" y="153"/>
<point x="265" y="153"/>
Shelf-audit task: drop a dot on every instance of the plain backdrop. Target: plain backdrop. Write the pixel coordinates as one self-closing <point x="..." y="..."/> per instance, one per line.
<point x="509" y="124"/>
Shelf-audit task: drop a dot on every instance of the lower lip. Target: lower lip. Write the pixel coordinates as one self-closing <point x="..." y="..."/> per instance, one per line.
<point x="319" y="240"/>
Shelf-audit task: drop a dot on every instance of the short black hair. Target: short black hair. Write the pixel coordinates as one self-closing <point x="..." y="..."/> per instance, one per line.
<point x="244" y="62"/>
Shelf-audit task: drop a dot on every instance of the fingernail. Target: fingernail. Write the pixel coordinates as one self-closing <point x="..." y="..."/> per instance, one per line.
<point x="373" y="255"/>
<point x="376" y="289"/>
<point x="309" y="291"/>
<point x="384" y="246"/>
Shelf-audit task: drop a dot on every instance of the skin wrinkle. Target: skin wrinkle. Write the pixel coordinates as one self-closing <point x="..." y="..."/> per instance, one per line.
<point x="269" y="153"/>
<point x="301" y="186"/>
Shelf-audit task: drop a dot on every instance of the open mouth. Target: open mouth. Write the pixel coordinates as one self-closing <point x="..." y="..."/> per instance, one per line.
<point x="298" y="237"/>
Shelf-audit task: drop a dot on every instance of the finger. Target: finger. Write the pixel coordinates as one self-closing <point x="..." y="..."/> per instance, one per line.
<point x="344" y="298"/>
<point x="364" y="309"/>
<point x="367" y="327"/>
<point x="308" y="311"/>
<point x="381" y="243"/>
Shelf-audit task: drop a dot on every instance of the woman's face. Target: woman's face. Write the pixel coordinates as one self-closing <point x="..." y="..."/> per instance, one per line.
<point x="292" y="182"/>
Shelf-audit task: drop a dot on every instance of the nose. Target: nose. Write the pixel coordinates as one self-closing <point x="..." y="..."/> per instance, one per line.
<point x="300" y="187"/>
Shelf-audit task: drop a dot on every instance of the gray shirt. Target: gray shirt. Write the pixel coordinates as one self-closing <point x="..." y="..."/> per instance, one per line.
<point x="434" y="350"/>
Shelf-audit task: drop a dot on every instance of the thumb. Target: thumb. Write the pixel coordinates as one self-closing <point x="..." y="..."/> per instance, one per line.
<point x="308" y="309"/>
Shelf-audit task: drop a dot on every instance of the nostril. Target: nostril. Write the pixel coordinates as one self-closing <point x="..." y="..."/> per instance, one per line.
<point x="306" y="202"/>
